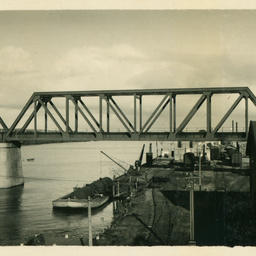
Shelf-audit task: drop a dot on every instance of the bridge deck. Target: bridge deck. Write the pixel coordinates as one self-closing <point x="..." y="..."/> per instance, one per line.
<point x="55" y="137"/>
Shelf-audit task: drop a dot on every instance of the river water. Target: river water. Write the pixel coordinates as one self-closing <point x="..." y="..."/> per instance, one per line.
<point x="57" y="168"/>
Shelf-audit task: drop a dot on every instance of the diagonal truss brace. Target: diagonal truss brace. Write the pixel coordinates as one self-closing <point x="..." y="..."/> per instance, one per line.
<point x="23" y="111"/>
<point x="153" y="114"/>
<point x="59" y="114"/>
<point x="3" y="124"/>
<point x="51" y="116"/>
<point x="122" y="114"/>
<point x="191" y="113"/>
<point x="37" y="107"/>
<point x="228" y="113"/>
<point x="82" y="113"/>
<point x="89" y="112"/>
<point x="118" y="116"/>
<point x="33" y="114"/>
<point x="158" y="114"/>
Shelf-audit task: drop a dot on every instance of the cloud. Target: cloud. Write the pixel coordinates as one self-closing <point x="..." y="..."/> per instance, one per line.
<point x="88" y="60"/>
<point x="15" y="60"/>
<point x="123" y="66"/>
<point x="197" y="70"/>
<point x="102" y="68"/>
<point x="163" y="75"/>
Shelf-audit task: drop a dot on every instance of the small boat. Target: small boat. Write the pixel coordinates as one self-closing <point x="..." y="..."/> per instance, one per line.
<point x="99" y="191"/>
<point x="30" y="159"/>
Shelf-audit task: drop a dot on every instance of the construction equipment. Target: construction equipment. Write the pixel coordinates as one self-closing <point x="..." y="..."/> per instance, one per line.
<point x="131" y="168"/>
<point x="149" y="156"/>
<point x="114" y="161"/>
<point x="139" y="162"/>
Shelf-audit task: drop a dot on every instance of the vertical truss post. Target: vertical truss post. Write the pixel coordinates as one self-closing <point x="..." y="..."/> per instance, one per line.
<point x="50" y="114"/>
<point x="100" y="111"/>
<point x="135" y="113"/>
<point x="171" y="110"/>
<point x="83" y="115"/>
<point x="140" y="112"/>
<point x="59" y="114"/>
<point x="35" y="117"/>
<point x="246" y="116"/>
<point x="67" y="114"/>
<point x="174" y="113"/>
<point x="108" y="115"/>
<point x="45" y="118"/>
<point x="76" y="115"/>
<point x="209" y="113"/>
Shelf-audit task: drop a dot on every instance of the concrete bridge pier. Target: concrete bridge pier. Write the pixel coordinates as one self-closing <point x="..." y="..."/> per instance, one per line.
<point x="11" y="173"/>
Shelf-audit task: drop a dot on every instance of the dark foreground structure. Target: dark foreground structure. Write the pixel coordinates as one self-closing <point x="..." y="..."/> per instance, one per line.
<point x="159" y="213"/>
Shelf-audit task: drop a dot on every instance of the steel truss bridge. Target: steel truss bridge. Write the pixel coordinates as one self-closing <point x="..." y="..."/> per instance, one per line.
<point x="135" y="124"/>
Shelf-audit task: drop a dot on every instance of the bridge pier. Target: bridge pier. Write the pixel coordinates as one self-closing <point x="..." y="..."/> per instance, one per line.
<point x="11" y="173"/>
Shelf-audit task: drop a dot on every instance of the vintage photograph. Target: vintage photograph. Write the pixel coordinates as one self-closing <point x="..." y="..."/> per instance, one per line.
<point x="127" y="128"/>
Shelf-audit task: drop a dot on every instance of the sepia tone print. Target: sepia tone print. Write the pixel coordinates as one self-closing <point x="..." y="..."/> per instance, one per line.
<point x="127" y="128"/>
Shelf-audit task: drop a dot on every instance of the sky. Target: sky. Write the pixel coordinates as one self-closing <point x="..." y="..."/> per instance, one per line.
<point x="120" y="49"/>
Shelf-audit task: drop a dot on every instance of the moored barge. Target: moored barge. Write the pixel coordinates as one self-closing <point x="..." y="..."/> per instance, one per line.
<point x="99" y="192"/>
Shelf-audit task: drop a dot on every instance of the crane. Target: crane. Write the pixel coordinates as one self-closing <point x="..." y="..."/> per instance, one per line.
<point x="114" y="161"/>
<point x="138" y="162"/>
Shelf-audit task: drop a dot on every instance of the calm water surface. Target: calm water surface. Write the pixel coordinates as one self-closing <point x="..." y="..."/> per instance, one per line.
<point x="57" y="168"/>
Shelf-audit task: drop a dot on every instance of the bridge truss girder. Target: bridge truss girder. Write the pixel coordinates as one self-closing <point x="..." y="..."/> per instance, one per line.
<point x="135" y="129"/>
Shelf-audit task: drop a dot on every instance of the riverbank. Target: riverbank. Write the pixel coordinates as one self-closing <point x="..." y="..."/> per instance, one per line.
<point x="158" y="213"/>
<point x="151" y="207"/>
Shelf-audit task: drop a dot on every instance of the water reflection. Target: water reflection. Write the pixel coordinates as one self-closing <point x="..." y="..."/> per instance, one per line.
<point x="57" y="169"/>
<point x="10" y="221"/>
<point x="75" y="221"/>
